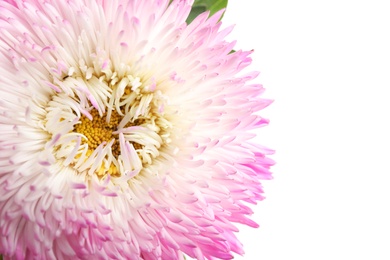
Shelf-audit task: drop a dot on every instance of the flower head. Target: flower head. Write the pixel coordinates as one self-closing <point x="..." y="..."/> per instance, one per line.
<point x="124" y="132"/>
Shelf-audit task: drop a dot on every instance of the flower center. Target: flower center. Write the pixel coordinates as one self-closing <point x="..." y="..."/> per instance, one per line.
<point x="107" y="122"/>
<point x="98" y="131"/>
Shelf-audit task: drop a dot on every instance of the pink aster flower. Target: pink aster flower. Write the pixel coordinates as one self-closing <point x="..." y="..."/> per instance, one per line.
<point x="124" y="132"/>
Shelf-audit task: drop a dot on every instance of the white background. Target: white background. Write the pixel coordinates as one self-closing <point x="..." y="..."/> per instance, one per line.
<point x="326" y="64"/>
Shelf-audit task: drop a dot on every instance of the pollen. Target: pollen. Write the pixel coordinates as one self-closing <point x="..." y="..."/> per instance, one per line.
<point x="98" y="131"/>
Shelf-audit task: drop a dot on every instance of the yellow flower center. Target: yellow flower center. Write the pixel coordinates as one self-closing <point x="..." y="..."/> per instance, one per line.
<point x="98" y="131"/>
<point x="121" y="142"/>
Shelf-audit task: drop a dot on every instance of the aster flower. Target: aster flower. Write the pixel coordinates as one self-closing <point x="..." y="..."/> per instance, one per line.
<point x="125" y="133"/>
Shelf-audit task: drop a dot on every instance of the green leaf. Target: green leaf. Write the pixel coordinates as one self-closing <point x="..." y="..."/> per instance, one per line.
<point x="201" y="6"/>
<point x="195" y="11"/>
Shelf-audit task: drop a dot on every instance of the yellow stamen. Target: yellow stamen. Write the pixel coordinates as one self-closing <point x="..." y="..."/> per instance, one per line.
<point x="98" y="130"/>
